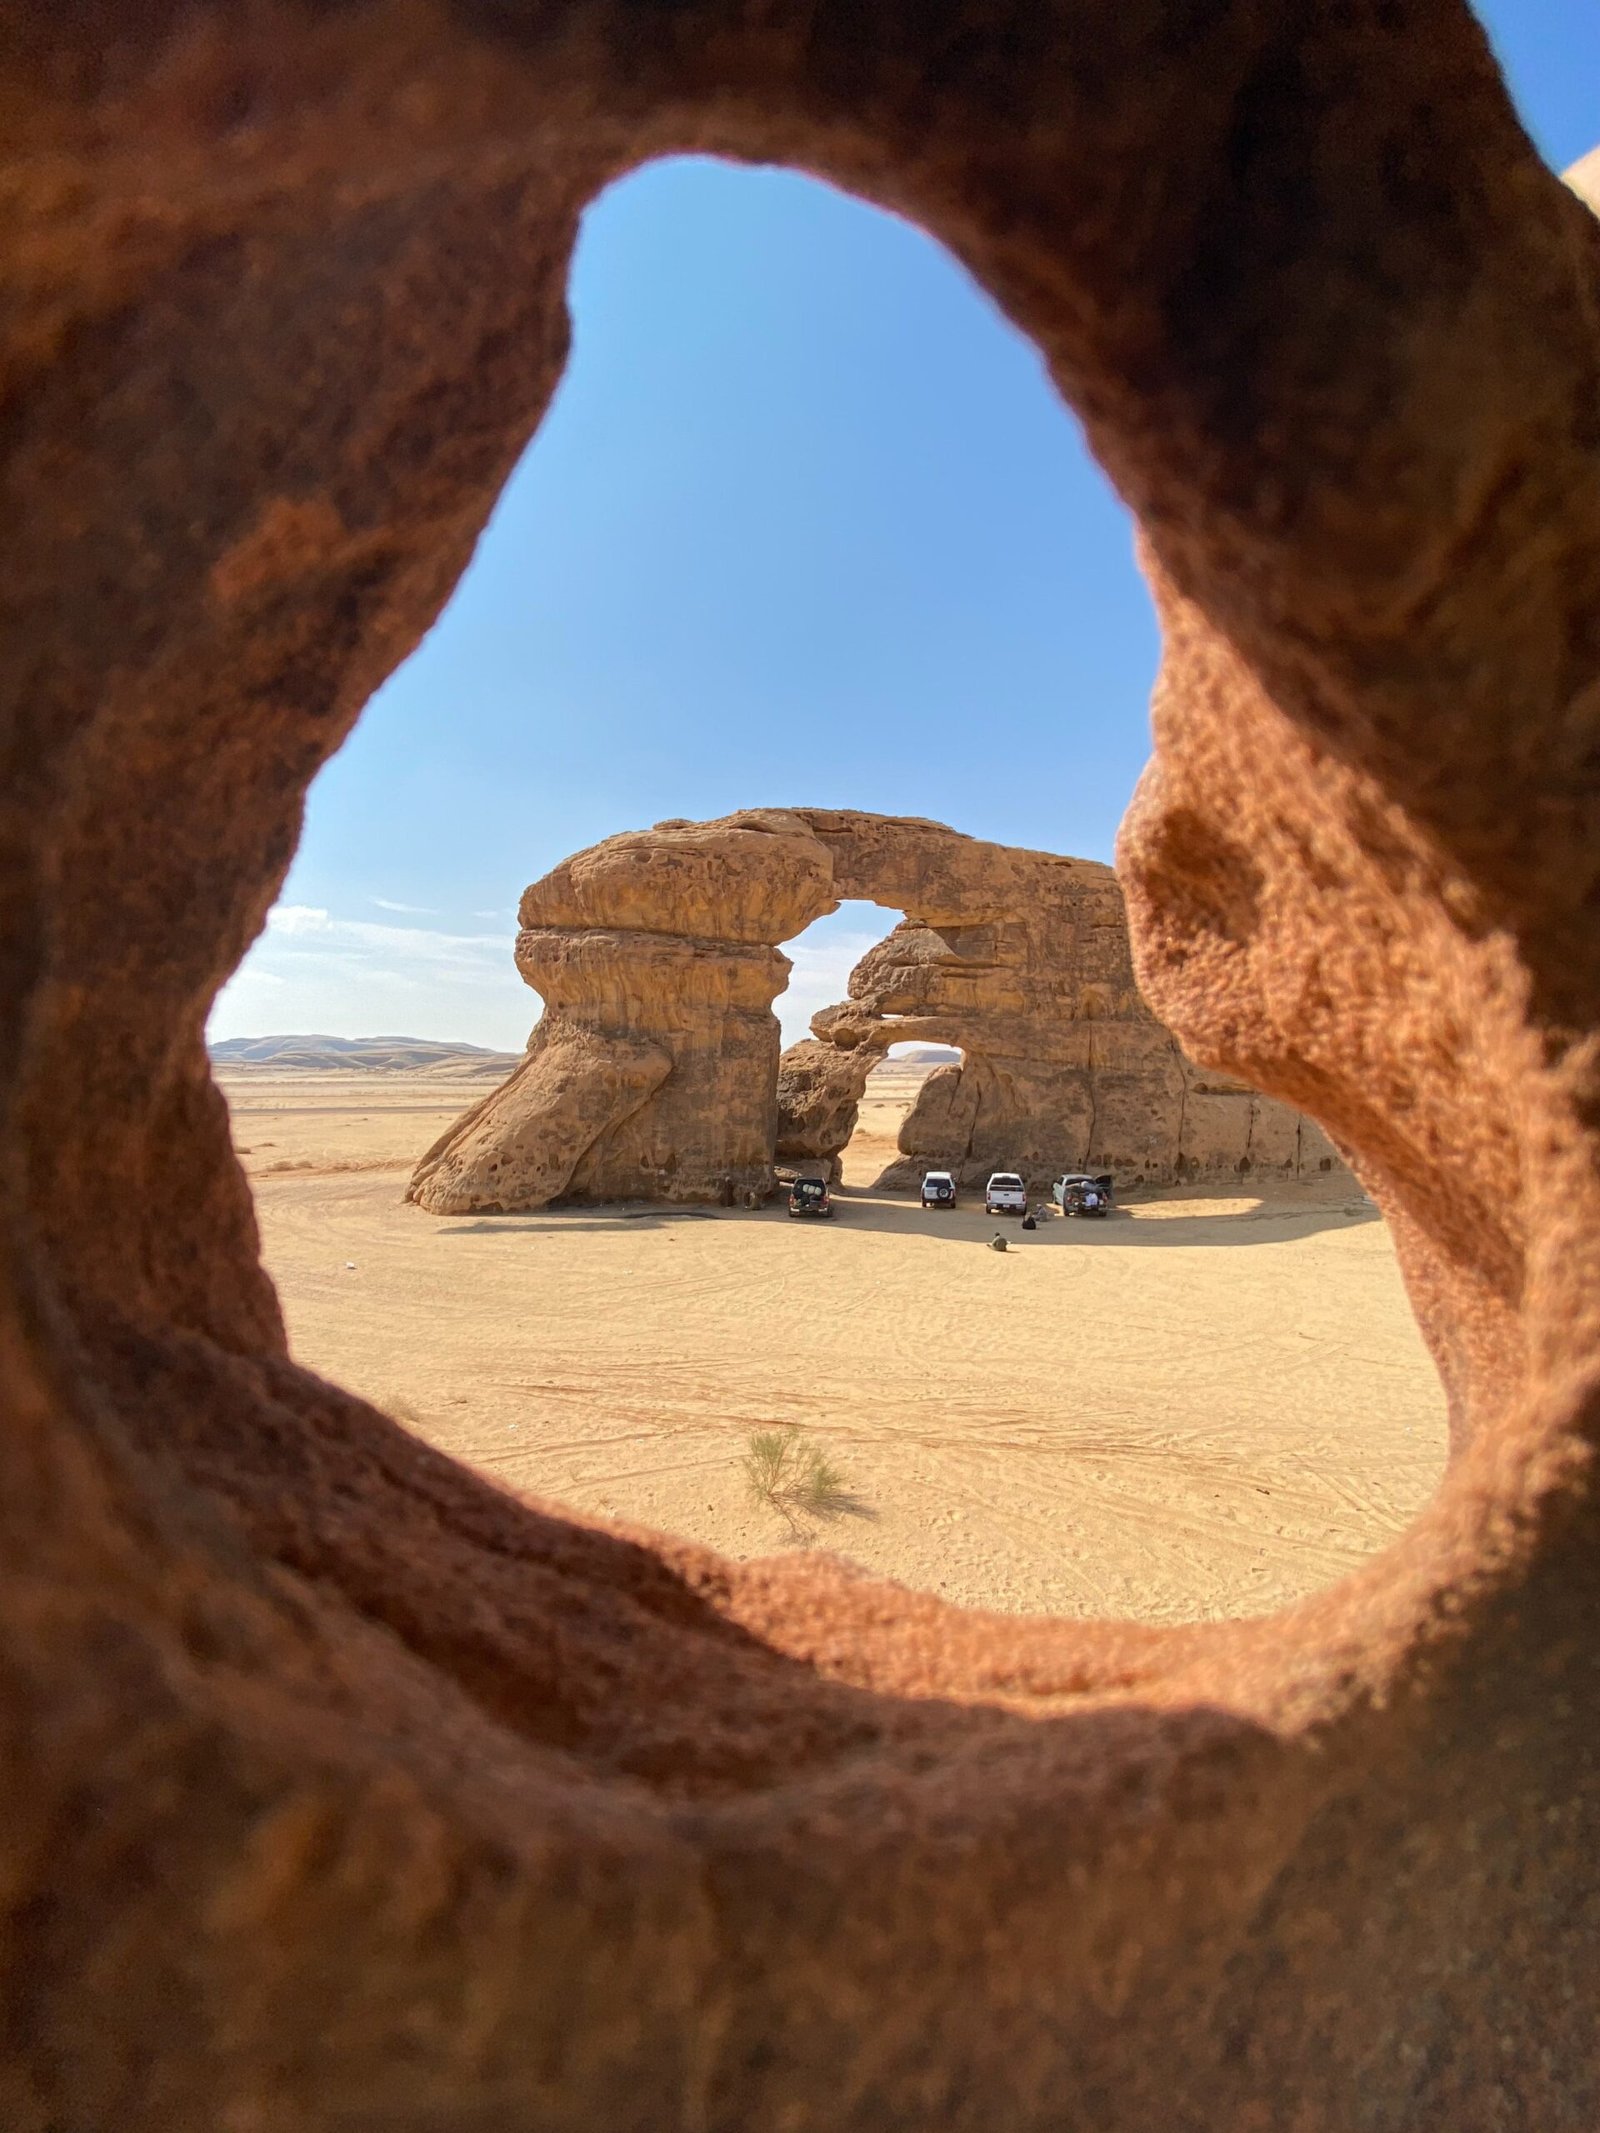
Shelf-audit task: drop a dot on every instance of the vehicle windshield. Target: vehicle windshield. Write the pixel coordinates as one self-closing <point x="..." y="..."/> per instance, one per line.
<point x="1004" y="1181"/>
<point x="810" y="1189"/>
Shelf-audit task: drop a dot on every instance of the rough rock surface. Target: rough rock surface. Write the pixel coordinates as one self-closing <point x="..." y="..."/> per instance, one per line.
<point x="820" y="1087"/>
<point x="1064" y="1065"/>
<point x="519" y="1146"/>
<point x="344" y="1790"/>
<point x="656" y="954"/>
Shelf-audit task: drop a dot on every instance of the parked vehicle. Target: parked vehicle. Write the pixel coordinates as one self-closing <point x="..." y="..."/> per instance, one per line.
<point x="938" y="1189"/>
<point x="1081" y="1192"/>
<point x="1005" y="1194"/>
<point x="810" y="1196"/>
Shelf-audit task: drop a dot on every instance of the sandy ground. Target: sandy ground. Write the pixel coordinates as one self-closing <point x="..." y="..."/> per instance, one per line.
<point x="1207" y="1405"/>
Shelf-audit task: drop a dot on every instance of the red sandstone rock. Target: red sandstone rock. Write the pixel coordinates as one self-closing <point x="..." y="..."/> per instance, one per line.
<point x="343" y="1790"/>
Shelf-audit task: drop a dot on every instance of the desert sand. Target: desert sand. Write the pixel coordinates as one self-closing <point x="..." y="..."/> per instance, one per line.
<point x="1207" y="1405"/>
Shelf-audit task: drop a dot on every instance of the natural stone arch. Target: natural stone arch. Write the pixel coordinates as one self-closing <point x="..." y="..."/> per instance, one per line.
<point x="344" y="1789"/>
<point x="654" y="1071"/>
<point x="1021" y="961"/>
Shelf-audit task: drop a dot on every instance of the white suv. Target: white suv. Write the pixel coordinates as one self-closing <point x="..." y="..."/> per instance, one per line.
<point x="1005" y="1194"/>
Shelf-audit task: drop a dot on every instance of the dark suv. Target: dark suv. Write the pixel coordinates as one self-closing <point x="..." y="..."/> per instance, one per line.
<point x="810" y="1196"/>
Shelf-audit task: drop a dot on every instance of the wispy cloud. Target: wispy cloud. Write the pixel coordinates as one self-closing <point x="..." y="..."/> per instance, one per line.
<point x="387" y="903"/>
<point x="315" y="970"/>
<point x="298" y="918"/>
<point x="308" y="929"/>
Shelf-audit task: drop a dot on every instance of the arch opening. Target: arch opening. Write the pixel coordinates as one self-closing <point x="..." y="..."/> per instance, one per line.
<point x="654" y="1078"/>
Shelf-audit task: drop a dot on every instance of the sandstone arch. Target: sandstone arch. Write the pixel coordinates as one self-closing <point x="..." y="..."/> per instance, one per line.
<point x="1023" y="965"/>
<point x="345" y="1791"/>
<point x="654" y="1072"/>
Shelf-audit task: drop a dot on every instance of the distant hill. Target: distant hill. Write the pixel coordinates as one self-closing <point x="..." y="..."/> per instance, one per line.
<point x="377" y="1055"/>
<point x="925" y="1055"/>
<point x="424" y="1055"/>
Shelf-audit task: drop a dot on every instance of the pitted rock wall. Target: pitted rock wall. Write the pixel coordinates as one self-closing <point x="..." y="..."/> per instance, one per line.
<point x="344" y="1789"/>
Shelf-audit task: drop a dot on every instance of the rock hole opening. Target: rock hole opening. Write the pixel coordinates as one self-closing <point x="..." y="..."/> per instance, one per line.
<point x="1080" y="1449"/>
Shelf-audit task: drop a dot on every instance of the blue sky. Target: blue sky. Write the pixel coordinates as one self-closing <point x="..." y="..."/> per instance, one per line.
<point x="805" y="524"/>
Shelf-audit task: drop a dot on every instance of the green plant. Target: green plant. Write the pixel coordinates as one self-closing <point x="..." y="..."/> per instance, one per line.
<point x="765" y="1462"/>
<point x="782" y="1469"/>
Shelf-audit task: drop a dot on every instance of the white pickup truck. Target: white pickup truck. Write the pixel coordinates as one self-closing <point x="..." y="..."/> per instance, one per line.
<point x="1083" y="1192"/>
<point x="1005" y="1194"/>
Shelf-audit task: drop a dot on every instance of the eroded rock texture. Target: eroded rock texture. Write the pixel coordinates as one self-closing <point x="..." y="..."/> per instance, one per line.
<point x="654" y="1072"/>
<point x="343" y="1790"/>
<point x="1064" y="1065"/>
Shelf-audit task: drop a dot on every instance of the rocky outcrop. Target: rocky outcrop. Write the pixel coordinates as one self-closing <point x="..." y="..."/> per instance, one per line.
<point x="520" y="1146"/>
<point x="1064" y="1066"/>
<point x="656" y="956"/>
<point x="344" y="1789"/>
<point x="820" y="1087"/>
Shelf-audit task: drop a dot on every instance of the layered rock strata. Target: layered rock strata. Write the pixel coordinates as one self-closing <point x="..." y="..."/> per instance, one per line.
<point x="656" y="956"/>
<point x="344" y="1789"/>
<point x="654" y="1072"/>
<point x="1063" y="1067"/>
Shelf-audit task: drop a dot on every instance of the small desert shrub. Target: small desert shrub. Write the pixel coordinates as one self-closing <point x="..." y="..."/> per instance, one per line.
<point x="782" y="1469"/>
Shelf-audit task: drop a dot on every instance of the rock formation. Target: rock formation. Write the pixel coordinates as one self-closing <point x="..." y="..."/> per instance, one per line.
<point x="654" y="1072"/>
<point x="342" y="1788"/>
<point x="1064" y="1065"/>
